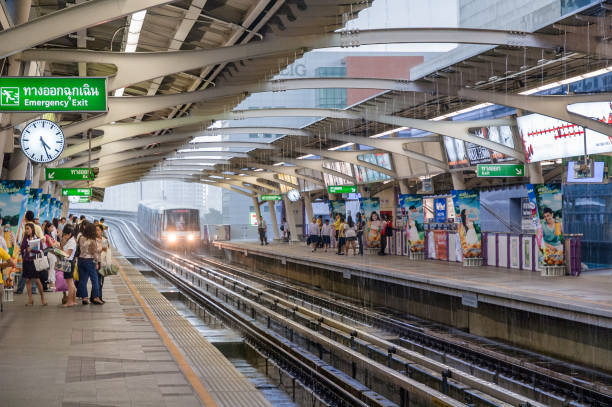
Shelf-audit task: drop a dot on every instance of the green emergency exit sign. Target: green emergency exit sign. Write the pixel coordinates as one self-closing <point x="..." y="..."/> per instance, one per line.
<point x="501" y="170"/>
<point x="342" y="189"/>
<point x="52" y="94"/>
<point x="69" y="174"/>
<point x="76" y="191"/>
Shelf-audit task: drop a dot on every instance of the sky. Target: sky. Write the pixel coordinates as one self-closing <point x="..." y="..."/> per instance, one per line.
<point x="403" y="14"/>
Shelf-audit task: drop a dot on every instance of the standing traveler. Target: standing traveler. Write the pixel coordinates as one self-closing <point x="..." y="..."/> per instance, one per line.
<point x="88" y="247"/>
<point x="102" y="248"/>
<point x="49" y="243"/>
<point x="262" y="228"/>
<point x="28" y="253"/>
<point x="387" y="231"/>
<point x="326" y="230"/>
<point x="350" y="234"/>
<point x="285" y="229"/>
<point x="69" y="247"/>
<point x="313" y="233"/>
<point x="341" y="236"/>
<point x="360" y="226"/>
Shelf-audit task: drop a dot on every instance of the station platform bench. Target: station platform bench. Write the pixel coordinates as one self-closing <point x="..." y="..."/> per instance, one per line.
<point x="135" y="350"/>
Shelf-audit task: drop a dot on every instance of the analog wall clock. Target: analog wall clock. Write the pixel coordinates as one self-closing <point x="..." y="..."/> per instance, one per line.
<point x="42" y="141"/>
<point x="293" y="195"/>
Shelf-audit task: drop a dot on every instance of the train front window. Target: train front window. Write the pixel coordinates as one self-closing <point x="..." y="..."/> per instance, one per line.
<point x="182" y="220"/>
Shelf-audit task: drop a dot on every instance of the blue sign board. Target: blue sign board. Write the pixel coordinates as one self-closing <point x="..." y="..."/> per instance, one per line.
<point x="440" y="210"/>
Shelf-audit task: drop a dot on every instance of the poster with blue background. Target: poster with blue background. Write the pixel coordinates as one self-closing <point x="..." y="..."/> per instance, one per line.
<point x="369" y="205"/>
<point x="43" y="213"/>
<point x="337" y="207"/>
<point x="467" y="212"/>
<point x="13" y="200"/>
<point x="33" y="200"/>
<point x="412" y="211"/>
<point x="440" y="210"/>
<point x="549" y="234"/>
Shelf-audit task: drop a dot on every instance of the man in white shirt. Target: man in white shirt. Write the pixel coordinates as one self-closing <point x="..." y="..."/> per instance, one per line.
<point x="262" y="228"/>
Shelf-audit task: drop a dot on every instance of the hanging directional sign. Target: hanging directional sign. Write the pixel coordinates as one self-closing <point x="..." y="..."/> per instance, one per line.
<point x="52" y="94"/>
<point x="69" y="174"/>
<point x="342" y="189"/>
<point x="76" y="192"/>
<point x="271" y="197"/>
<point x="501" y="170"/>
<point x="79" y="199"/>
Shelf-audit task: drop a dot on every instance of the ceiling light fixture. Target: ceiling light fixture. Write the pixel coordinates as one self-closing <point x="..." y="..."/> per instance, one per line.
<point x="136" y="22"/>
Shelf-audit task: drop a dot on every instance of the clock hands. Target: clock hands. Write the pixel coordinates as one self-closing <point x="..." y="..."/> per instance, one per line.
<point x="45" y="146"/>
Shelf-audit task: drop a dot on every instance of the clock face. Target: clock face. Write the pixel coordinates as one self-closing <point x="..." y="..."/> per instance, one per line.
<point x="293" y="195"/>
<point x="42" y="141"/>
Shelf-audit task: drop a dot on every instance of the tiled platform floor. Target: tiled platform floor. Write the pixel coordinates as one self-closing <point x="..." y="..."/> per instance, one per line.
<point x="96" y="356"/>
<point x="590" y="293"/>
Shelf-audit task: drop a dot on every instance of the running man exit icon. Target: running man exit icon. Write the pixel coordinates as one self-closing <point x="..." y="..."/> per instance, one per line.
<point x="9" y="96"/>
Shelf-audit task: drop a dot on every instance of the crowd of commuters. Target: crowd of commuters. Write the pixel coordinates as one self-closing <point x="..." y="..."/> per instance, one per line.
<point x="60" y="255"/>
<point x="350" y="234"/>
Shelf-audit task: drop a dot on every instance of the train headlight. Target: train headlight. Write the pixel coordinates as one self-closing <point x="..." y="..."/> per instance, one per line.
<point x="172" y="238"/>
<point x="190" y="237"/>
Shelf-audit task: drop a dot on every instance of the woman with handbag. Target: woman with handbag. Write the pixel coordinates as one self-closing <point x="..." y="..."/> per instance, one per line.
<point x="28" y="255"/>
<point x="87" y="264"/>
<point x="69" y="247"/>
<point x="49" y="244"/>
<point x="102" y="249"/>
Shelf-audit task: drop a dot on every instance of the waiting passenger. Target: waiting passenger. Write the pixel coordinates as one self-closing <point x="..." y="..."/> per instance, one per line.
<point x="313" y="233"/>
<point x="326" y="231"/>
<point x="49" y="243"/>
<point x="359" y="225"/>
<point x="285" y="229"/>
<point x="262" y="228"/>
<point x="102" y="248"/>
<point x="69" y="247"/>
<point x="341" y="236"/>
<point x="350" y="234"/>
<point x="28" y="254"/>
<point x="87" y="264"/>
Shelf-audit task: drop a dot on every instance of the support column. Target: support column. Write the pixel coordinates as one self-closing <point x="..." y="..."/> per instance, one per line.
<point x="65" y="206"/>
<point x="18" y="166"/>
<point x="274" y="220"/>
<point x="535" y="173"/>
<point x="257" y="207"/>
<point x="458" y="180"/>
<point x="308" y="206"/>
<point x="36" y="172"/>
<point x="403" y="186"/>
<point x="292" y="212"/>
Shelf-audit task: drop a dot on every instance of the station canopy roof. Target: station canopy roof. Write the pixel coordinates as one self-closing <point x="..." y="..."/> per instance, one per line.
<point x="146" y="133"/>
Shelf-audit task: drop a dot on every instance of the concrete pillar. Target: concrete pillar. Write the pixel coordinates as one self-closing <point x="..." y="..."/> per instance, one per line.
<point x="308" y="206"/>
<point x="18" y="166"/>
<point x="403" y="186"/>
<point x="535" y="173"/>
<point x="274" y="220"/>
<point x="257" y="207"/>
<point x="36" y="173"/>
<point x="65" y="207"/>
<point x="292" y="211"/>
<point x="458" y="180"/>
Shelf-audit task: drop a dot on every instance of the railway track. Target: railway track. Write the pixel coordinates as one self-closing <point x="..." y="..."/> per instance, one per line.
<point x="289" y="310"/>
<point x="472" y="376"/>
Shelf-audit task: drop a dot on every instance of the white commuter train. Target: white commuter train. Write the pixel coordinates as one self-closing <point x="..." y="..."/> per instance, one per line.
<point x="170" y="225"/>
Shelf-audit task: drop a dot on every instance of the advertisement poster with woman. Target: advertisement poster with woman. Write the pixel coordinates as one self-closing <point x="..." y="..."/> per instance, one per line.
<point x="549" y="235"/>
<point x="467" y="211"/>
<point x="13" y="200"/>
<point x="412" y="211"/>
<point x="370" y="208"/>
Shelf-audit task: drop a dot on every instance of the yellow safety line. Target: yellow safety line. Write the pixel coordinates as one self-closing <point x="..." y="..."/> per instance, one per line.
<point x="197" y="385"/>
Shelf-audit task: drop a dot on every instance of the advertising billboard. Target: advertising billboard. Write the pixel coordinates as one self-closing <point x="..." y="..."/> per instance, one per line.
<point x="546" y="138"/>
<point x="461" y="155"/>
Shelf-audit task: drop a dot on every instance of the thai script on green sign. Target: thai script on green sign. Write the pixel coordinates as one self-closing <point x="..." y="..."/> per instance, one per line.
<point x="271" y="197"/>
<point x="342" y="189"/>
<point x="52" y="94"/>
<point x="76" y="191"/>
<point x="501" y="170"/>
<point x="68" y="174"/>
<point x="79" y="199"/>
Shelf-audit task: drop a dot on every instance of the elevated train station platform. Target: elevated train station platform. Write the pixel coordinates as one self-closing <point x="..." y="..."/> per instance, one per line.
<point x="568" y="316"/>
<point x="135" y="350"/>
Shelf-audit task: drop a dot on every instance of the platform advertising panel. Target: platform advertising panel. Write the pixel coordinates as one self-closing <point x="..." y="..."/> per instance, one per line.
<point x="370" y="208"/>
<point x="467" y="213"/>
<point x="549" y="235"/>
<point x="546" y="138"/>
<point x="440" y="210"/>
<point x="482" y="155"/>
<point x="13" y="200"/>
<point x="441" y="244"/>
<point x="33" y="200"/>
<point x="411" y="207"/>
<point x="337" y="207"/>
<point x="455" y="150"/>
<point x="43" y="213"/>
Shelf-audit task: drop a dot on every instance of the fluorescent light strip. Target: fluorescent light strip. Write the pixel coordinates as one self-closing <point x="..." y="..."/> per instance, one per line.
<point x="341" y="146"/>
<point x="567" y="81"/>
<point x="277" y="164"/>
<point x="384" y="133"/>
<point x="305" y="156"/>
<point x="136" y="22"/>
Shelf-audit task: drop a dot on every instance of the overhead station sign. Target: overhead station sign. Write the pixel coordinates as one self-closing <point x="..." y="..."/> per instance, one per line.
<point x="271" y="197"/>
<point x="501" y="170"/>
<point x="342" y="189"/>
<point x="79" y="199"/>
<point x="76" y="192"/>
<point x="69" y="174"/>
<point x="53" y="94"/>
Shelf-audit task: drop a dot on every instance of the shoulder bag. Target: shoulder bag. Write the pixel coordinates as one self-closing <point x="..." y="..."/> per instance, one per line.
<point x="41" y="262"/>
